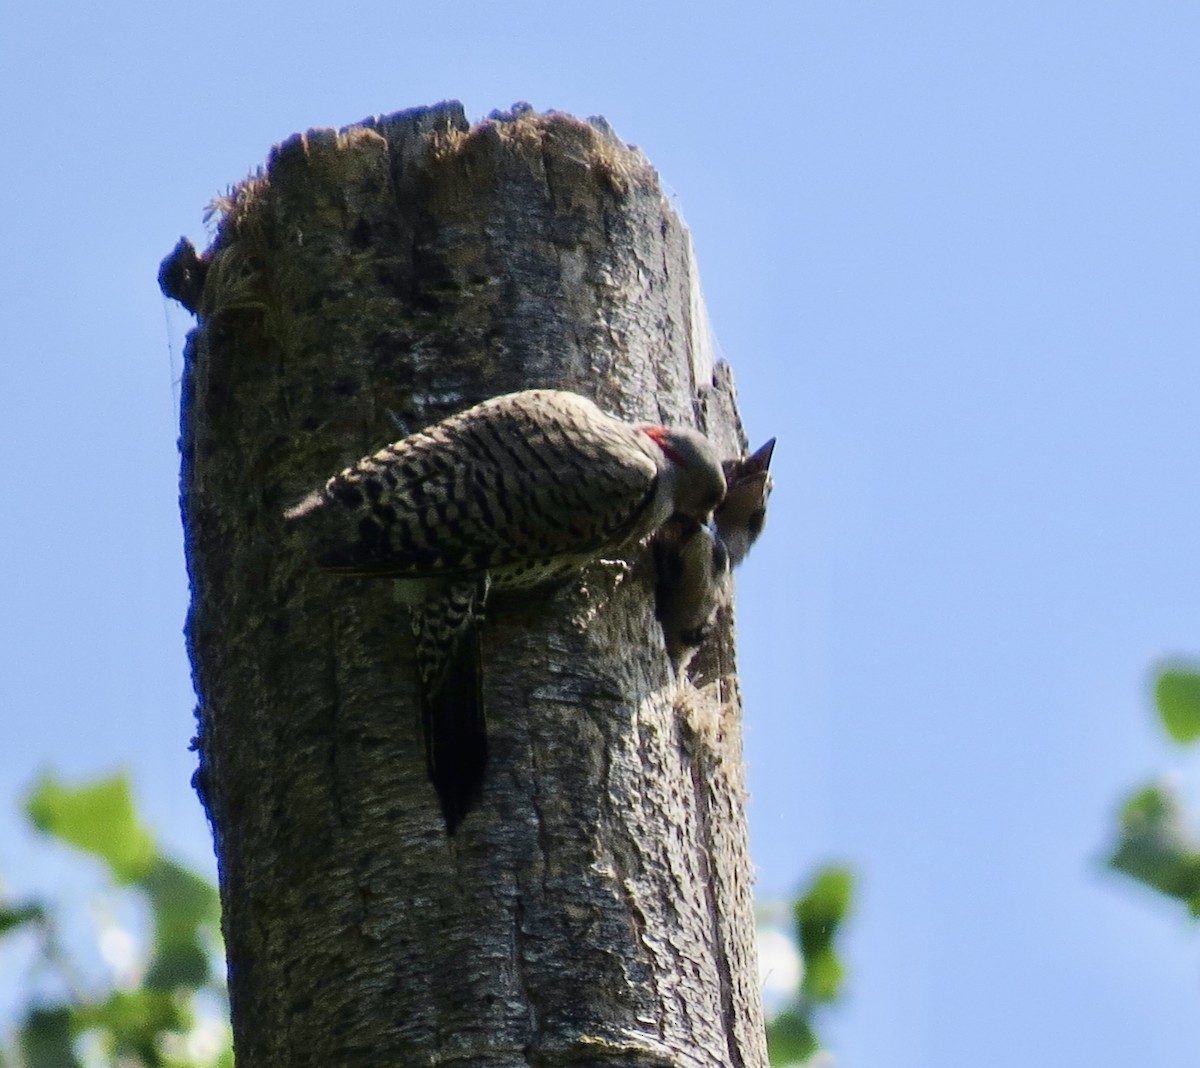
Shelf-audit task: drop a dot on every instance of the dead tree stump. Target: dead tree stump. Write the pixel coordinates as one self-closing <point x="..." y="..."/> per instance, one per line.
<point x="596" y="908"/>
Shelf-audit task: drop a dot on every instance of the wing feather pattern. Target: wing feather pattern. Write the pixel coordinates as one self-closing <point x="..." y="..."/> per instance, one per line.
<point x="523" y="477"/>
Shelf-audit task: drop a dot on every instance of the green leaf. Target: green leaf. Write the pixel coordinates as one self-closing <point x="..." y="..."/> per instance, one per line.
<point x="97" y="817"/>
<point x="826" y="901"/>
<point x="1177" y="694"/>
<point x="1156" y="847"/>
<point x="818" y="914"/>
<point x="133" y="1020"/>
<point x="183" y="905"/>
<point x="11" y="918"/>
<point x="176" y="966"/>
<point x="790" y="1038"/>
<point x="46" y="1038"/>
<point x="823" y="975"/>
<point x="182" y="900"/>
<point x="823" y="906"/>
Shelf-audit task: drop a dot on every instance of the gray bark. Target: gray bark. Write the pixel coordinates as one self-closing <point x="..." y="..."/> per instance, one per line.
<point x="596" y="909"/>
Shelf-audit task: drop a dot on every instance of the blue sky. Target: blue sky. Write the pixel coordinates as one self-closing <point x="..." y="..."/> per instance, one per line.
<point x="952" y="252"/>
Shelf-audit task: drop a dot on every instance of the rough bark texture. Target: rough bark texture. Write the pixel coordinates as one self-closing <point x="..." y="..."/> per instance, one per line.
<point x="596" y="909"/>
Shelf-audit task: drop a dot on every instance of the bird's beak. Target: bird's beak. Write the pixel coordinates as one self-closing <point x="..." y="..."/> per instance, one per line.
<point x="758" y="461"/>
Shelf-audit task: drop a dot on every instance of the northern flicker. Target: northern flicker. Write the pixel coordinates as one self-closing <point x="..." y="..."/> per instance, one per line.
<point x="521" y="490"/>
<point x="740" y="517"/>
<point x="695" y="559"/>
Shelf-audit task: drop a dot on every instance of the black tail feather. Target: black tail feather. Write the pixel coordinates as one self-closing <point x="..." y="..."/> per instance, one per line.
<point x="455" y="731"/>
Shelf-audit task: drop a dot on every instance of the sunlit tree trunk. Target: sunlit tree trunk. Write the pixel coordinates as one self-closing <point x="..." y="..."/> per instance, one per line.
<point x="596" y="908"/>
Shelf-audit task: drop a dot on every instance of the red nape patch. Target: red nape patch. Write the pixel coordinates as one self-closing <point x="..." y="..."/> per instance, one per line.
<point x="658" y="434"/>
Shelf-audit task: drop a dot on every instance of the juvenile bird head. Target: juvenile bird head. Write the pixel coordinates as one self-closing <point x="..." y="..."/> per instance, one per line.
<point x="697" y="482"/>
<point x="741" y="516"/>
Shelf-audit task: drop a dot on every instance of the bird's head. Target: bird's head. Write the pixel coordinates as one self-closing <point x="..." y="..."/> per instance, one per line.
<point x="741" y="516"/>
<point x="698" y="482"/>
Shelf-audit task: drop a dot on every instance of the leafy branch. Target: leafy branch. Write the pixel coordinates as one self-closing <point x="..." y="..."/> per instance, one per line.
<point x="1156" y="844"/>
<point x="817" y="917"/>
<point x="158" y="1021"/>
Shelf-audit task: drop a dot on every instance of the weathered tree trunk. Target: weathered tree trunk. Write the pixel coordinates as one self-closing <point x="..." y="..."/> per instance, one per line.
<point x="596" y="908"/>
